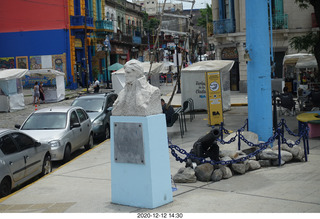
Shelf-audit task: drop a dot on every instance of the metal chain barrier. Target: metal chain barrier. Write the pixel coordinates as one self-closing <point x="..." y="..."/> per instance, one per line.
<point x="279" y="134"/>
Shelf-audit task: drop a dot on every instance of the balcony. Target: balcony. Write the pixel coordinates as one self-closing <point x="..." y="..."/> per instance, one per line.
<point x="104" y="25"/>
<point x="280" y="21"/>
<point x="80" y="21"/>
<point x="224" y="26"/>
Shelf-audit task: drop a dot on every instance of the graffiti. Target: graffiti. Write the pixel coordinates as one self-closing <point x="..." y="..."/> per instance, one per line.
<point x="7" y="62"/>
<point x="22" y="62"/>
<point x="59" y="62"/>
<point x="35" y="62"/>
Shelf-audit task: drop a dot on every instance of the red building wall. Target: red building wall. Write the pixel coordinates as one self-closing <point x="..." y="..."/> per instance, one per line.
<point x="31" y="15"/>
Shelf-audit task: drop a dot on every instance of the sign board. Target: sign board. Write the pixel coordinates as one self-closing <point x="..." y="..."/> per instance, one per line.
<point x="214" y="98"/>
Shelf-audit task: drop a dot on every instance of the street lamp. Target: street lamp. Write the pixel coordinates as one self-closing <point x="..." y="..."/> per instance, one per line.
<point x="200" y="48"/>
<point x="176" y="41"/>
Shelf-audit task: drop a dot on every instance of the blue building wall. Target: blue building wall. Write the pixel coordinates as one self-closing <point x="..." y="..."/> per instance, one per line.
<point x="37" y="43"/>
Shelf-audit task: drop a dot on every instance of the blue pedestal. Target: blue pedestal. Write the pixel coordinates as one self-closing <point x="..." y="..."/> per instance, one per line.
<point x="146" y="184"/>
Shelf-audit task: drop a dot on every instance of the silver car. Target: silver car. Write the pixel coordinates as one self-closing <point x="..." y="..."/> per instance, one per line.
<point x="65" y="129"/>
<point x="21" y="158"/>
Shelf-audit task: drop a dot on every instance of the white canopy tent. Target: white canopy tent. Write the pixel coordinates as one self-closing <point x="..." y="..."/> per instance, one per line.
<point x="193" y="83"/>
<point x="56" y="91"/>
<point x="118" y="77"/>
<point x="11" y="90"/>
<point x="307" y="62"/>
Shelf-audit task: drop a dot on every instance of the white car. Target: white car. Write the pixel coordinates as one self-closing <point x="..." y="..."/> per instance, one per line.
<point x="65" y="129"/>
<point x="21" y="158"/>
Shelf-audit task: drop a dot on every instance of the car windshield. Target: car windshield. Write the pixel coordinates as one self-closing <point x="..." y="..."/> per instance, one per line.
<point x="44" y="121"/>
<point x="90" y="105"/>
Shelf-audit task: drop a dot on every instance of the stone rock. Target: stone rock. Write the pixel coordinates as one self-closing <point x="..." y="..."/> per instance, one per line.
<point x="226" y="158"/>
<point x="249" y="150"/>
<point x="265" y="163"/>
<point x="286" y="156"/>
<point x="216" y="175"/>
<point x="228" y="153"/>
<point x="203" y="172"/>
<point x="268" y="154"/>
<point x="298" y="153"/>
<point x="239" y="168"/>
<point x="276" y="162"/>
<point x="226" y="172"/>
<point x="185" y="175"/>
<point x="254" y="165"/>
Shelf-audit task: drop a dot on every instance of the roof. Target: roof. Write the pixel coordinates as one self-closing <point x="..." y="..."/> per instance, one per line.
<point x="9" y="74"/>
<point x="210" y="65"/>
<point x="57" y="109"/>
<point x="45" y="72"/>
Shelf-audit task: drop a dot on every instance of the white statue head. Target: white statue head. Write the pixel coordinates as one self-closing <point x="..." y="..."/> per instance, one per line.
<point x="133" y="70"/>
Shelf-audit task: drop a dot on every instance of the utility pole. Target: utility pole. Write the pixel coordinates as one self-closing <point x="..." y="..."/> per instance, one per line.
<point x="85" y="49"/>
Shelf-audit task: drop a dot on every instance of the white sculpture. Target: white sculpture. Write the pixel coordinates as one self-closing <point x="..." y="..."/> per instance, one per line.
<point x="138" y="97"/>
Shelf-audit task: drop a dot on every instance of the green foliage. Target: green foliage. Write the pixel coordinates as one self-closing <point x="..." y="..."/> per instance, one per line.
<point x="206" y="15"/>
<point x="305" y="42"/>
<point x="150" y="24"/>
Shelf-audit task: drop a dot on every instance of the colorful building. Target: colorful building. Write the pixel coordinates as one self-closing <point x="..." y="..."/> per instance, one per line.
<point x="55" y="34"/>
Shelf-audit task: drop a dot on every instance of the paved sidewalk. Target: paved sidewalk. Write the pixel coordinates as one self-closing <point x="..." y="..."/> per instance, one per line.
<point x="84" y="184"/>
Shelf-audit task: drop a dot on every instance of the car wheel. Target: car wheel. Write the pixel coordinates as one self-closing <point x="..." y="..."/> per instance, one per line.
<point x="90" y="143"/>
<point x="107" y="132"/>
<point x="47" y="166"/>
<point x="67" y="154"/>
<point x="5" y="187"/>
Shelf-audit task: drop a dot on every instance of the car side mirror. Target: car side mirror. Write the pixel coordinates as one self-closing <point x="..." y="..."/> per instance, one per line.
<point x="75" y="125"/>
<point x="37" y="144"/>
<point x="17" y="126"/>
<point x="110" y="108"/>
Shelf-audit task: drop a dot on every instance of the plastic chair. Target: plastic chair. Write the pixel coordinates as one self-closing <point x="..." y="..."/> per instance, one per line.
<point x="191" y="109"/>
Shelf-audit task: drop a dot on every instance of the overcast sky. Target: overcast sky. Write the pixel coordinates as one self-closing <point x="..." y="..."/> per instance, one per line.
<point x="186" y="5"/>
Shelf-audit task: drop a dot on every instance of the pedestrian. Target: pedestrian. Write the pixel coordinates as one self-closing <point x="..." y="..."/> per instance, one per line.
<point x="42" y="97"/>
<point x="79" y="80"/>
<point x="96" y="85"/>
<point x="36" y="93"/>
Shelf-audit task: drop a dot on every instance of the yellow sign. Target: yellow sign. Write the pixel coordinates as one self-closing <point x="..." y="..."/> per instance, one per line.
<point x="214" y="98"/>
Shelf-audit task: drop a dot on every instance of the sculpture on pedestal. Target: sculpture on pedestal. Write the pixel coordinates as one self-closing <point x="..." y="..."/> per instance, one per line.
<point x="138" y="97"/>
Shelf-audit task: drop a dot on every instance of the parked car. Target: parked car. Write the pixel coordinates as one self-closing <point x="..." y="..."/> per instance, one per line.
<point x="98" y="107"/>
<point x="64" y="128"/>
<point x="21" y="158"/>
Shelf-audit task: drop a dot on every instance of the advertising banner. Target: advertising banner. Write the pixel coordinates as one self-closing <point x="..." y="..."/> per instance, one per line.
<point x="214" y="98"/>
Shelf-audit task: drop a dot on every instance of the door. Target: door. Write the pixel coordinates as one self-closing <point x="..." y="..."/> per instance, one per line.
<point x="33" y="155"/>
<point x="85" y="126"/>
<point x="76" y="136"/>
<point x="13" y="157"/>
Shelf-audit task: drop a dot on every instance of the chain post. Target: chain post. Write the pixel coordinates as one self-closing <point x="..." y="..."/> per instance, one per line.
<point x="305" y="147"/>
<point x="247" y="121"/>
<point x="221" y="130"/>
<point x="239" y="140"/>
<point x="279" y="147"/>
<point x="282" y="130"/>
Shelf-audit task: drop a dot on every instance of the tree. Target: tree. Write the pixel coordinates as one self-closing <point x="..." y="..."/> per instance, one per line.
<point x="311" y="41"/>
<point x="150" y="24"/>
<point x="206" y="16"/>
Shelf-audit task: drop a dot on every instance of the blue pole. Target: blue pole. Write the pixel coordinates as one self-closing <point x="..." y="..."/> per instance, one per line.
<point x="258" y="69"/>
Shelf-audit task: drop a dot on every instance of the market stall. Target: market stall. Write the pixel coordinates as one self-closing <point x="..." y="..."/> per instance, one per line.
<point x="193" y="83"/>
<point x="118" y="77"/>
<point x="53" y="81"/>
<point x="11" y="90"/>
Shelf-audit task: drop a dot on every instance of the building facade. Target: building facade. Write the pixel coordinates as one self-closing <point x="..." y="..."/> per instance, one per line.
<point x="69" y="36"/>
<point x="229" y="34"/>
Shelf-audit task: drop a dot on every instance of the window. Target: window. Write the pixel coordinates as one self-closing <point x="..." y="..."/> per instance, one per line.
<point x="82" y="116"/>
<point x="7" y="145"/>
<point x="23" y="140"/>
<point x="73" y="118"/>
<point x="111" y="100"/>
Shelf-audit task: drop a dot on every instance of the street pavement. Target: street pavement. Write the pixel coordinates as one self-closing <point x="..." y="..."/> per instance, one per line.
<point x="84" y="184"/>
